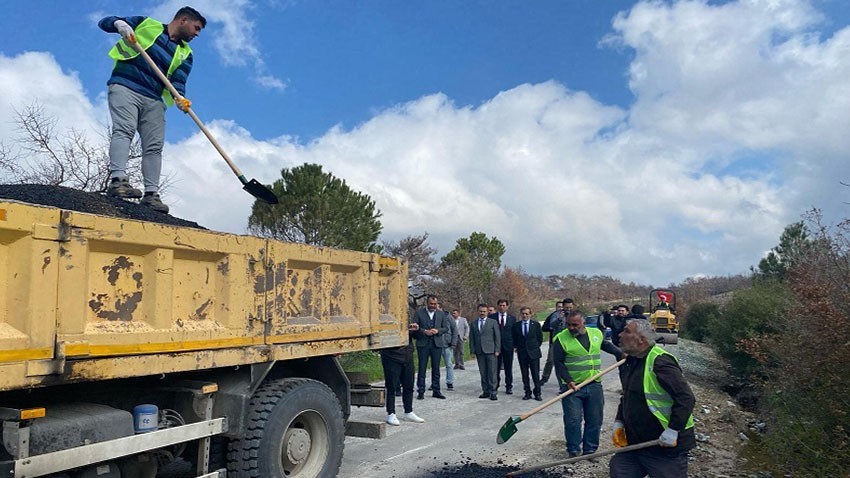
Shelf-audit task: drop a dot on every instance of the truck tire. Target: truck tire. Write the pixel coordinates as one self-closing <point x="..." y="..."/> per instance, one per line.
<point x="295" y="429"/>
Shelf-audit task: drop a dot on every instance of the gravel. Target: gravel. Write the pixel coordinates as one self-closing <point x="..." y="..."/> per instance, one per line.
<point x="93" y="203"/>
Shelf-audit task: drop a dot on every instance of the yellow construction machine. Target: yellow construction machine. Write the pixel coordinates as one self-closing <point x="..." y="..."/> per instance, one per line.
<point x="662" y="315"/>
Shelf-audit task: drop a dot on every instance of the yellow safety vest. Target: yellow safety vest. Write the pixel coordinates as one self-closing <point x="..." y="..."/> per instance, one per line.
<point x="657" y="399"/>
<point x="146" y="34"/>
<point x="580" y="362"/>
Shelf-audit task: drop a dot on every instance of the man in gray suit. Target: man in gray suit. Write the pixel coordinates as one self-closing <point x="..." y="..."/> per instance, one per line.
<point x="485" y="341"/>
<point x="463" y="336"/>
<point x="431" y="339"/>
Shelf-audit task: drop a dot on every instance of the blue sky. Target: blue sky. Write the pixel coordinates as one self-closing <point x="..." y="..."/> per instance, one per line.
<point x="646" y="140"/>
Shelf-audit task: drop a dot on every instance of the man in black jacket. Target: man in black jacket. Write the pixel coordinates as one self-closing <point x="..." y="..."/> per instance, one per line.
<point x="554" y="324"/>
<point x="528" y="337"/>
<point x="506" y="357"/>
<point x="618" y="322"/>
<point x="657" y="404"/>
<point x="398" y="374"/>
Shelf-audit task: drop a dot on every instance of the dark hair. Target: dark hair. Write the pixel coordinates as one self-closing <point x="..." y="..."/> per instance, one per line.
<point x="431" y="296"/>
<point x="624" y="306"/>
<point x="637" y="309"/>
<point x="500" y="301"/>
<point x="456" y="310"/>
<point x="568" y="301"/>
<point x="191" y="14"/>
<point x="482" y="305"/>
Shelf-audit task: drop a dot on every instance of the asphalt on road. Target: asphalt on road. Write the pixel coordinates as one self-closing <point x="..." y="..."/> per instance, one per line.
<point x="458" y="437"/>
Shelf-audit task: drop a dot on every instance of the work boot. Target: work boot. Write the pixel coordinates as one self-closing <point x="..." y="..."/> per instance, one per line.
<point x="450" y="386"/>
<point x="120" y="188"/>
<point x="153" y="201"/>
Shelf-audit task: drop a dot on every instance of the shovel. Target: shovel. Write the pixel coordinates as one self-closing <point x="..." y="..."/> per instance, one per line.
<point x="254" y="187"/>
<point x="509" y="428"/>
<point x="624" y="449"/>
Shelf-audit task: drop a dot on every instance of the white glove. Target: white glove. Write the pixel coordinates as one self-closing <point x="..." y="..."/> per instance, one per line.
<point x="669" y="438"/>
<point x="125" y="30"/>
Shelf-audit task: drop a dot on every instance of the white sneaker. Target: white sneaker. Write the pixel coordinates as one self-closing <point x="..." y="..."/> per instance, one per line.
<point x="412" y="417"/>
<point x="393" y="420"/>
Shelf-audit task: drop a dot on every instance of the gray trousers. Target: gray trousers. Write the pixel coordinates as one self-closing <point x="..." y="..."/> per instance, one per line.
<point x="487" y="368"/>
<point x="133" y="112"/>
<point x="458" y="351"/>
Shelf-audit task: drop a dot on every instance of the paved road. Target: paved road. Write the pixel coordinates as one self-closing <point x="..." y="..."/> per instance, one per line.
<point x="463" y="428"/>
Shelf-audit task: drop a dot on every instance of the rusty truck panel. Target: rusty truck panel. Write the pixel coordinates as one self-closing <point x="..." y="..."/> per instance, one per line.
<point x="88" y="297"/>
<point x="28" y="274"/>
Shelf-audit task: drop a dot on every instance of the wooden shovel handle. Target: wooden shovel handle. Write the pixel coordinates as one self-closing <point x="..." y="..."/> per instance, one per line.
<point x="191" y="113"/>
<point x="578" y="387"/>
<point x="625" y="449"/>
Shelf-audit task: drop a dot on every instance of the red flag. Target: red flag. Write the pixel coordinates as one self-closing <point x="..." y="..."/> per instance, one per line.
<point x="664" y="296"/>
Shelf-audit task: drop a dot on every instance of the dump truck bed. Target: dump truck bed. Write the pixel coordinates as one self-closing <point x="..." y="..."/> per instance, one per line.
<point x="88" y="297"/>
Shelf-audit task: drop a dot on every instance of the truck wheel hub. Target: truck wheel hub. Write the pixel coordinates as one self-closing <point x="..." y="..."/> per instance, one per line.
<point x="298" y="444"/>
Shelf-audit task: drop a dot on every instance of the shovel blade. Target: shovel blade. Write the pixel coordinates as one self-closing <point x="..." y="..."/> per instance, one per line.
<point x="508" y="430"/>
<point x="260" y="191"/>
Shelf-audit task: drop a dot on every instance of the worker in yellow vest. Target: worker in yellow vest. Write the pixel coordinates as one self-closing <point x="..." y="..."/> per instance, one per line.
<point x="137" y="98"/>
<point x="577" y="358"/>
<point x="657" y="403"/>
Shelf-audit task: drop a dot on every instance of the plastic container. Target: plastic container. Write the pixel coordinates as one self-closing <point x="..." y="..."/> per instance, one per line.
<point x="145" y="418"/>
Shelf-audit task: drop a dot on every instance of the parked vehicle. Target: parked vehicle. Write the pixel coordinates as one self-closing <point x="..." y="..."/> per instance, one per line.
<point x="125" y="344"/>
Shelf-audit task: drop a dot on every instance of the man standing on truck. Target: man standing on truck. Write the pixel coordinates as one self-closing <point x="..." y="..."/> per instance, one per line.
<point x="137" y="98"/>
<point x="657" y="404"/>
<point x="433" y="324"/>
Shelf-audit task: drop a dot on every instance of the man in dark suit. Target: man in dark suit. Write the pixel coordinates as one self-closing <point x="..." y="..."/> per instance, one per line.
<point x="528" y="336"/>
<point x="506" y="357"/>
<point x="430" y="341"/>
<point x="485" y="343"/>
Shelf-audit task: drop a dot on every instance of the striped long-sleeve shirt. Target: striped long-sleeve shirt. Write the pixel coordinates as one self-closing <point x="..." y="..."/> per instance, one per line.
<point x="136" y="74"/>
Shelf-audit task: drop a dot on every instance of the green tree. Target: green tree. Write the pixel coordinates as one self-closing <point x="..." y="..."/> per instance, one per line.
<point x="468" y="270"/>
<point x="793" y="244"/>
<point x="319" y="209"/>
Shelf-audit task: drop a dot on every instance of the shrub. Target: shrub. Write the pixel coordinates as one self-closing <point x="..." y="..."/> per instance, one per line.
<point x="695" y="325"/>
<point x="752" y="316"/>
<point x="806" y="393"/>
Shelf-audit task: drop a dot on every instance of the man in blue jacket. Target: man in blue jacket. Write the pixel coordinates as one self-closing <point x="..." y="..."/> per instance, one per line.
<point x="137" y="98"/>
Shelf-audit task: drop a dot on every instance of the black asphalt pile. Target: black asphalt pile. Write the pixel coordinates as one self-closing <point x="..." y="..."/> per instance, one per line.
<point x="474" y="470"/>
<point x="470" y="469"/>
<point x="93" y="203"/>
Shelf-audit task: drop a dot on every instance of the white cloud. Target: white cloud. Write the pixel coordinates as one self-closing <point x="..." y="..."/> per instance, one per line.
<point x="739" y="122"/>
<point x="36" y="79"/>
<point x="231" y="30"/>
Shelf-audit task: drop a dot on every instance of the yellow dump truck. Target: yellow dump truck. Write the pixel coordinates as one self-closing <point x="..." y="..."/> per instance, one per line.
<point x="127" y="344"/>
